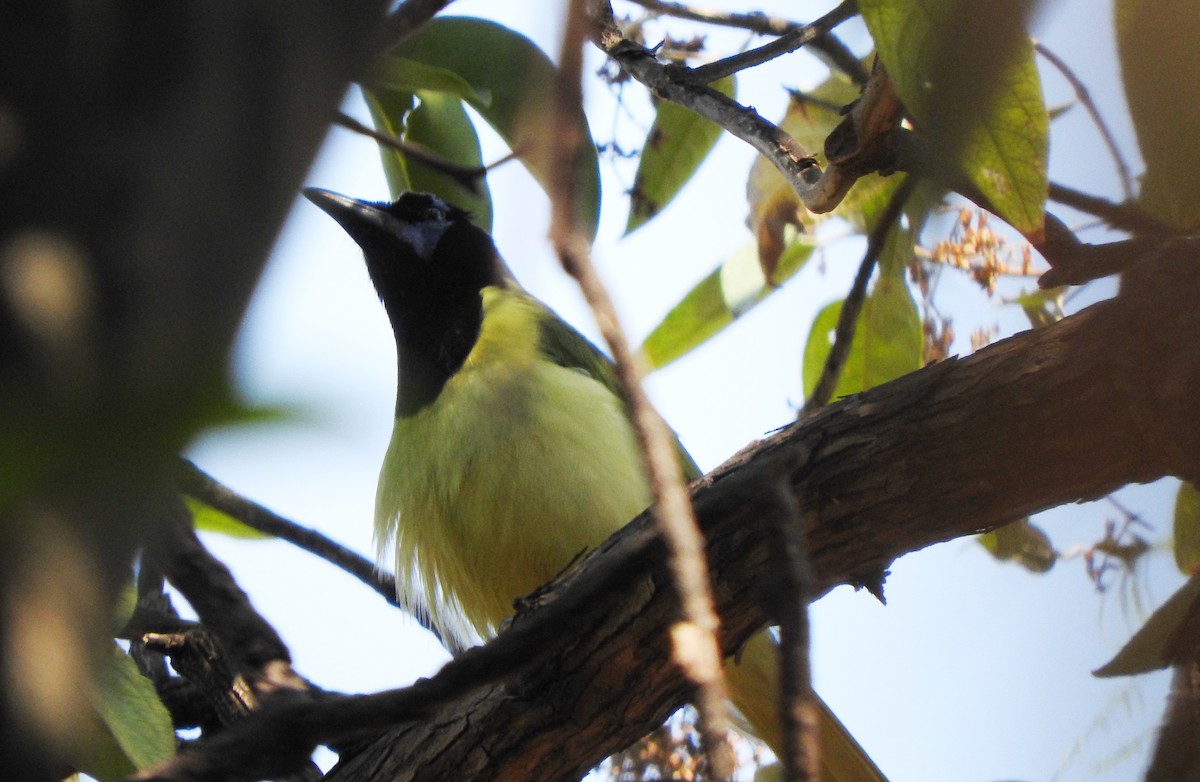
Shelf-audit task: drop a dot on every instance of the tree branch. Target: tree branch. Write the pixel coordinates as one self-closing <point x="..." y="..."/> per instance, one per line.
<point x="212" y="492"/>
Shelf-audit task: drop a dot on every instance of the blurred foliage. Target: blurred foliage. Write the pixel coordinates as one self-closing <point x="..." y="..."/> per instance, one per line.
<point x="1160" y="69"/>
<point x="1158" y="643"/>
<point x="500" y="74"/>
<point x="1022" y="543"/>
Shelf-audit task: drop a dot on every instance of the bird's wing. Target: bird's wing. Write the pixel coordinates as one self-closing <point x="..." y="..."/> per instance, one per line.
<point x="566" y="347"/>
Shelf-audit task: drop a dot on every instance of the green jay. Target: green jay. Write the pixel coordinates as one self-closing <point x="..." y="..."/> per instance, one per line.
<point x="511" y="450"/>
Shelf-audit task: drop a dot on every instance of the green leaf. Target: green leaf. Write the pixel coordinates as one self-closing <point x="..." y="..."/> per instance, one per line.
<point x="887" y="343"/>
<point x="1187" y="529"/>
<point x="398" y="74"/>
<point x="436" y="120"/>
<point x="1022" y="543"/>
<point x="440" y="123"/>
<point x="965" y="70"/>
<point x="1153" y="646"/>
<point x="678" y="142"/>
<point x="728" y="292"/>
<point x="209" y="519"/>
<point x="133" y="715"/>
<point x="518" y="80"/>
<point x="389" y="108"/>
<point x="1160" y="68"/>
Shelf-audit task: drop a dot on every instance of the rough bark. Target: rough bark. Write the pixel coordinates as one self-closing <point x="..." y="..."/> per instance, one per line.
<point x="1062" y="414"/>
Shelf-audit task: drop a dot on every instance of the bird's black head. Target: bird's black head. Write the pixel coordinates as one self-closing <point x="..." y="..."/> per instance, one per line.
<point x="428" y="263"/>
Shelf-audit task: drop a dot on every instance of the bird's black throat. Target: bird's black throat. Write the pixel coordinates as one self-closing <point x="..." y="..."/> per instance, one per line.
<point x="431" y="345"/>
<point x="432" y="292"/>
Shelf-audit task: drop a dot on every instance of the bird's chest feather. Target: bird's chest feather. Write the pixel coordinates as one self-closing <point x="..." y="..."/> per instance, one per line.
<point x="520" y="466"/>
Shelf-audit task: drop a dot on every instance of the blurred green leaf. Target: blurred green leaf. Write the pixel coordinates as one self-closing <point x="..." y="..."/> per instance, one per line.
<point x="678" y="142"/>
<point x="966" y="73"/>
<point x="138" y="731"/>
<point x="209" y="519"/>
<point x="389" y="109"/>
<point x="398" y="74"/>
<point x="518" y="81"/>
<point x="1160" y="68"/>
<point x="1187" y="529"/>
<point x="1022" y="543"/>
<point x="125" y="605"/>
<point x="1152" y="646"/>
<point x="422" y="105"/>
<point x="888" y="339"/>
<point x="439" y="123"/>
<point x="728" y="292"/>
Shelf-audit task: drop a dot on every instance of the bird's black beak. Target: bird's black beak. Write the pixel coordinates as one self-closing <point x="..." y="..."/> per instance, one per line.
<point x="363" y="220"/>
<point x="373" y="226"/>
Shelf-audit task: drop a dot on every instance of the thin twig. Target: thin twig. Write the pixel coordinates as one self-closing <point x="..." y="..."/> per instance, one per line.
<point x="848" y="318"/>
<point x="212" y="492"/>
<point x="1126" y="217"/>
<point x="1081" y="92"/>
<point x="801" y="743"/>
<point x="467" y="176"/>
<point x="757" y="22"/>
<point x="695" y="646"/>
<point x="820" y="192"/>
<point x="790" y="42"/>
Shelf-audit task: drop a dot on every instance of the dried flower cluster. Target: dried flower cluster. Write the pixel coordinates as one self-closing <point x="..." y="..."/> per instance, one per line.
<point x="974" y="247"/>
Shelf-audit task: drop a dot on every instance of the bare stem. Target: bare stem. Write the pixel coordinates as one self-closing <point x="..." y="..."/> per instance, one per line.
<point x="1085" y="97"/>
<point x="785" y="44"/>
<point x="695" y="646"/>
<point x="467" y="176"/>
<point x="757" y="22"/>
<point x="798" y="712"/>
<point x="212" y="492"/>
<point x="848" y="318"/>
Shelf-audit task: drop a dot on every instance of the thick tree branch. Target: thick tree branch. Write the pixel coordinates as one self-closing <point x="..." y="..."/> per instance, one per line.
<point x="1061" y="414"/>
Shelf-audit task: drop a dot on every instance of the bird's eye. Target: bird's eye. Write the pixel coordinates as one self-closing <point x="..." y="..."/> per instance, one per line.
<point x="431" y="213"/>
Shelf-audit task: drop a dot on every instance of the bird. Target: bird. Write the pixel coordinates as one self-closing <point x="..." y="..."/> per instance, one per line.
<point x="511" y="450"/>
